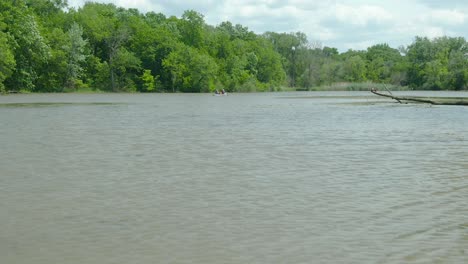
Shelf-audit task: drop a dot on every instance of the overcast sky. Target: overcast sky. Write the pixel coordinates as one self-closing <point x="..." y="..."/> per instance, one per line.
<point x="343" y="24"/>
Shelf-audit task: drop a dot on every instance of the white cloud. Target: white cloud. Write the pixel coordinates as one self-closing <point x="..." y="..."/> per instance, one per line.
<point x="361" y="15"/>
<point x="447" y="17"/>
<point x="433" y="32"/>
<point x="360" y="45"/>
<point x="143" y="5"/>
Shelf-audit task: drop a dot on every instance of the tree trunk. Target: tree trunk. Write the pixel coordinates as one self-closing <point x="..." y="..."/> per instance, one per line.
<point x="427" y="100"/>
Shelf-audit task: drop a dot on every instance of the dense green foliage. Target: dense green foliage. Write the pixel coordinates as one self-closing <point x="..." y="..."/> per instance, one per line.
<point x="47" y="47"/>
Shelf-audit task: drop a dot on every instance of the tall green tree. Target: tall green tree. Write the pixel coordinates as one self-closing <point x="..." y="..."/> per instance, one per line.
<point x="269" y="67"/>
<point x="107" y="32"/>
<point x="458" y="70"/>
<point x="27" y="44"/>
<point x="7" y="60"/>
<point x="125" y="67"/>
<point x="354" y="69"/>
<point x="191" y="27"/>
<point x="291" y="47"/>
<point x="149" y="84"/>
<point x="191" y="70"/>
<point x="314" y="58"/>
<point x="419" y="53"/>
<point x="76" y="53"/>
<point x="382" y="61"/>
<point x="431" y="63"/>
<point x="52" y="76"/>
<point x="331" y="71"/>
<point x="53" y="22"/>
<point x="154" y="38"/>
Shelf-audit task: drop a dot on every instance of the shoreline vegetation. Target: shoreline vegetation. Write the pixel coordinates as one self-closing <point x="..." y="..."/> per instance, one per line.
<point x="49" y="47"/>
<point x="326" y="88"/>
<point x="333" y="87"/>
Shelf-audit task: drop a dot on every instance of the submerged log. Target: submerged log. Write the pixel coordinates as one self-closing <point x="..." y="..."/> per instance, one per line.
<point x="427" y="100"/>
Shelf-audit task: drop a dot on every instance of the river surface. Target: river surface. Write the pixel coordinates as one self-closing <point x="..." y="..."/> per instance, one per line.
<point x="307" y="177"/>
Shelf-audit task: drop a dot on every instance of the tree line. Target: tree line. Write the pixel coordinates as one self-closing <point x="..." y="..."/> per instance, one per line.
<point x="45" y="46"/>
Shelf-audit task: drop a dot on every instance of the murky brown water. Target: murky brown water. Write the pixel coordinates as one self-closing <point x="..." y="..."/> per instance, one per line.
<point x="249" y="178"/>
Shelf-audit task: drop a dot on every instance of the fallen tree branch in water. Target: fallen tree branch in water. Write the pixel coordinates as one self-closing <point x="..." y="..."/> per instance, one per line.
<point x="427" y="100"/>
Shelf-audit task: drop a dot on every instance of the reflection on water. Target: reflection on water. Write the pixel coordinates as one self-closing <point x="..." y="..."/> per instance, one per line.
<point x="249" y="178"/>
<point x="45" y="104"/>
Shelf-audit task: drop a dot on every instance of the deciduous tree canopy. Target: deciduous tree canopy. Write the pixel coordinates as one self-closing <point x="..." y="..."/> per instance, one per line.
<point x="47" y="47"/>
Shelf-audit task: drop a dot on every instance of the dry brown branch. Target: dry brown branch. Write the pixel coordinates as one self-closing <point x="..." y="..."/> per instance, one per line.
<point x="427" y="100"/>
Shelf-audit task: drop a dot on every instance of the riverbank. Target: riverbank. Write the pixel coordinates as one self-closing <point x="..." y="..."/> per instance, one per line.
<point x="342" y="86"/>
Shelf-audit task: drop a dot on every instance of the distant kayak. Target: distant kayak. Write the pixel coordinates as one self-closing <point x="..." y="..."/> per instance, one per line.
<point x="220" y="94"/>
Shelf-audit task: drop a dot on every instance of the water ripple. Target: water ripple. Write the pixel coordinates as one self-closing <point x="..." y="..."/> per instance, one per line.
<point x="240" y="179"/>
